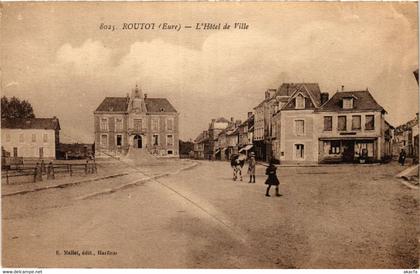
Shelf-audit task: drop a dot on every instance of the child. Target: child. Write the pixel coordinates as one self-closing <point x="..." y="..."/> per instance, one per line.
<point x="251" y="168"/>
<point x="272" y="179"/>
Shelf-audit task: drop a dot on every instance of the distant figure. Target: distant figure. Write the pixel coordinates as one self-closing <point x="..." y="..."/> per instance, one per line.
<point x="251" y="167"/>
<point x="236" y="163"/>
<point x="272" y="179"/>
<point x="402" y="157"/>
<point x="50" y="171"/>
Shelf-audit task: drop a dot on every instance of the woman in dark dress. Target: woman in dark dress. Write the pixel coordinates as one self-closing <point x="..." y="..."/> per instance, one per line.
<point x="272" y="179"/>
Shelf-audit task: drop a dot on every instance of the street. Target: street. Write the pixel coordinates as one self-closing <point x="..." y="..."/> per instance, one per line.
<point x="342" y="216"/>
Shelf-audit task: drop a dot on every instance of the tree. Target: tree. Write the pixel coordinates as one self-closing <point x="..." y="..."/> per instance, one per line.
<point x="185" y="147"/>
<point x="15" y="108"/>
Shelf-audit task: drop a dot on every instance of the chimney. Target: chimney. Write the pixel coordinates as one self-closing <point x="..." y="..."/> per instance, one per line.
<point x="267" y="94"/>
<point x="249" y="114"/>
<point x="145" y="96"/>
<point x="231" y="119"/>
<point x="342" y="88"/>
<point x="324" y="97"/>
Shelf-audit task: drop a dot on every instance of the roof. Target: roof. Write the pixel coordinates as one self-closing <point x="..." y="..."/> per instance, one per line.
<point x="114" y="104"/>
<point x="33" y="123"/>
<point x="120" y="104"/>
<point x="288" y="89"/>
<point x="201" y="138"/>
<point x="158" y="105"/>
<point x="408" y="125"/>
<point x="363" y="101"/>
<point x="391" y="126"/>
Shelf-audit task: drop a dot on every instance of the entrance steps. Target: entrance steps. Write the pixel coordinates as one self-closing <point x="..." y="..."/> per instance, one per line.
<point x="139" y="156"/>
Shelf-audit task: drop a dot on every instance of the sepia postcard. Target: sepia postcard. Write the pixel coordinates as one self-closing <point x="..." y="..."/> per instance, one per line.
<point x="210" y="135"/>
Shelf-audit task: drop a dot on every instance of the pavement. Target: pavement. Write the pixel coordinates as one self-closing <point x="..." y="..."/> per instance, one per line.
<point x="106" y="170"/>
<point x="328" y="217"/>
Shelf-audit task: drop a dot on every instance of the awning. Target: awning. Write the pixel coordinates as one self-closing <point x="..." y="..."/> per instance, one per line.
<point x="347" y="138"/>
<point x="248" y="147"/>
<point x="217" y="151"/>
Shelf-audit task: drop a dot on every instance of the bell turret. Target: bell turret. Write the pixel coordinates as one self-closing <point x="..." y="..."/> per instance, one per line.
<point x="137" y="101"/>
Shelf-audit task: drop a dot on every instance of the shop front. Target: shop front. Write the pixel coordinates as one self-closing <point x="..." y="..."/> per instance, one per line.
<point x="350" y="150"/>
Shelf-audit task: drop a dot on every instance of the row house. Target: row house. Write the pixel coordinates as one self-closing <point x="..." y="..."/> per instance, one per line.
<point x="283" y="97"/>
<point x="295" y="124"/>
<point x="227" y="141"/>
<point x="136" y="122"/>
<point x="200" y="144"/>
<point x="207" y="143"/>
<point x="265" y="137"/>
<point x="246" y="132"/>
<point x="352" y="123"/>
<point x="312" y="128"/>
<point x="216" y="126"/>
<point x="407" y="138"/>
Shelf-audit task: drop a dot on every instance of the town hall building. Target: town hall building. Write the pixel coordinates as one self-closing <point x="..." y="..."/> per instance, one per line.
<point x="136" y="122"/>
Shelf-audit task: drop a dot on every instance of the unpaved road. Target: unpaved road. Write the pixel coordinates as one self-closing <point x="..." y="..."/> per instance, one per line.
<point x="328" y="217"/>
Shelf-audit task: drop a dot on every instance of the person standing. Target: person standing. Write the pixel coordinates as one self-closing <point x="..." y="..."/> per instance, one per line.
<point x="402" y="157"/>
<point x="251" y="167"/>
<point x="272" y="179"/>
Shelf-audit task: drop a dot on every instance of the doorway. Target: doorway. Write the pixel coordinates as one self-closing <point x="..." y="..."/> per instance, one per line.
<point x="137" y="142"/>
<point x="348" y="151"/>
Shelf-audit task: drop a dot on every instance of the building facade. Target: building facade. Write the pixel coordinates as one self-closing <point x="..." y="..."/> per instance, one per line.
<point x="36" y="138"/>
<point x="296" y="125"/>
<point x="136" y="122"/>
<point x="216" y="126"/>
<point x="199" y="145"/>
<point x="351" y="124"/>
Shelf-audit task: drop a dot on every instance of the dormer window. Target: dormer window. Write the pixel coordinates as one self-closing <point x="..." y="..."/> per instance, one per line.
<point x="300" y="102"/>
<point x="348" y="103"/>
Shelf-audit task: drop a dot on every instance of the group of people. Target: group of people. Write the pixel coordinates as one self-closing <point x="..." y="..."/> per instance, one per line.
<point x="238" y="161"/>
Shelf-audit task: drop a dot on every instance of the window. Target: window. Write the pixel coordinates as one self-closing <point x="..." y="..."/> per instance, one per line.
<point x="21" y="138"/>
<point x="137" y="124"/>
<point x="356" y="122"/>
<point x="370" y="122"/>
<point x="7" y="137"/>
<point x="15" y="152"/>
<point x="33" y="137"/>
<point x="170" y="123"/>
<point x="119" y="140"/>
<point x="155" y="124"/>
<point x="335" y="147"/>
<point x="300" y="151"/>
<point x="342" y="123"/>
<point x="300" y="102"/>
<point x="327" y="123"/>
<point x="155" y="139"/>
<point x="299" y="127"/>
<point x="347" y="103"/>
<point x="118" y="124"/>
<point x="104" y="124"/>
<point x="41" y="152"/>
<point x="169" y="140"/>
<point x="45" y="137"/>
<point x="104" y="140"/>
<point x="170" y="152"/>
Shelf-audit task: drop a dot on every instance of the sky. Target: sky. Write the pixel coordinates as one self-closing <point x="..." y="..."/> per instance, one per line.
<point x="56" y="56"/>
